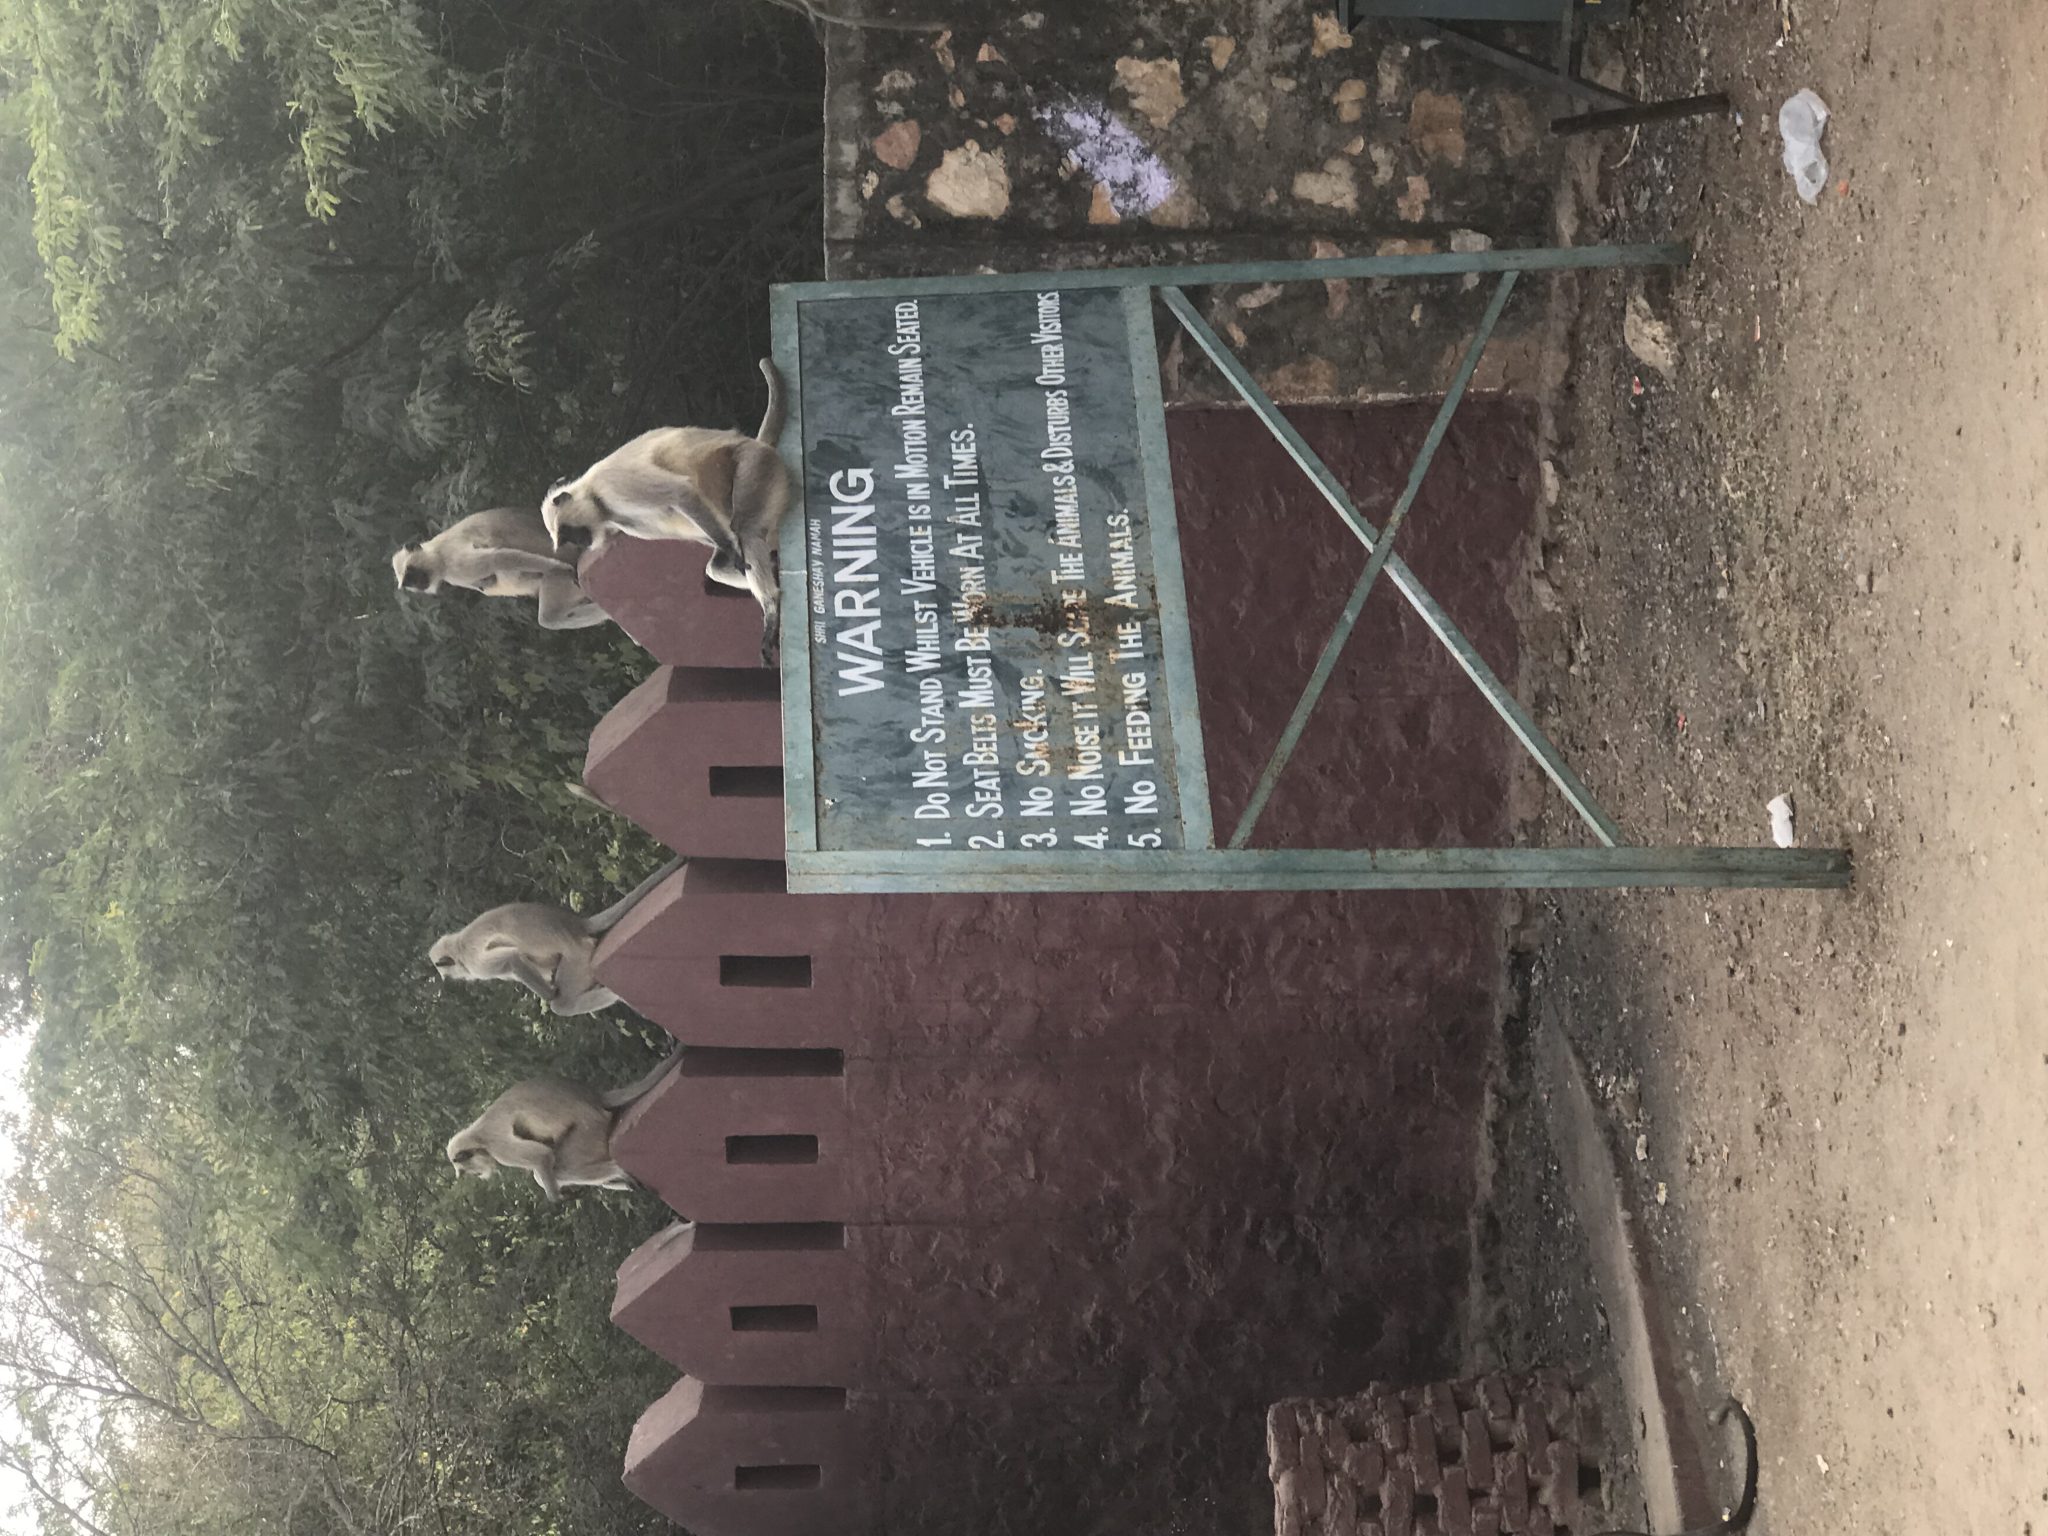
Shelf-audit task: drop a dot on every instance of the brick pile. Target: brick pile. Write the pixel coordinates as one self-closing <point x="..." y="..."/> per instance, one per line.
<point x="1500" y="1455"/>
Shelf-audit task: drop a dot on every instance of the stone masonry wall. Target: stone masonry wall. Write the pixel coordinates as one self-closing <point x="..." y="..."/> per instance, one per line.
<point x="1071" y="133"/>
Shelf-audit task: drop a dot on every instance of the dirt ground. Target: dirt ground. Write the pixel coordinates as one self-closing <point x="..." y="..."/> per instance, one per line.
<point x="1812" y="560"/>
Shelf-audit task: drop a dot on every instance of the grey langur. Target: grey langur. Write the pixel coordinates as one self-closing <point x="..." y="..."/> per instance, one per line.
<point x="711" y="486"/>
<point x="501" y="553"/>
<point x="558" y="1131"/>
<point x="548" y="950"/>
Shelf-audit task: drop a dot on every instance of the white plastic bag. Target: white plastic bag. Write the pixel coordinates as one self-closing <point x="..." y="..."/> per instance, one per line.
<point x="1781" y="822"/>
<point x="1801" y="122"/>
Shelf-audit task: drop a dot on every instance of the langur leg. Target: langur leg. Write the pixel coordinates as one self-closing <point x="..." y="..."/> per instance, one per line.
<point x="502" y="960"/>
<point x="760" y="497"/>
<point x="564" y="605"/>
<point x="688" y="513"/>
<point x="592" y="999"/>
<point x="528" y="973"/>
<point x="536" y="1153"/>
<point x="731" y="573"/>
<point x="764" y="583"/>
<point x="576" y="986"/>
<point x="749" y="578"/>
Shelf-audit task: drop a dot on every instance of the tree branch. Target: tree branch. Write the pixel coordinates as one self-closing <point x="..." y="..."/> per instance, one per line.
<point x="24" y="1469"/>
<point x="370" y="332"/>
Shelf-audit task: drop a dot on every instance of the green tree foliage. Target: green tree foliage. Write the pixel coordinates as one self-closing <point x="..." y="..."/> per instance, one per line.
<point x="282" y="286"/>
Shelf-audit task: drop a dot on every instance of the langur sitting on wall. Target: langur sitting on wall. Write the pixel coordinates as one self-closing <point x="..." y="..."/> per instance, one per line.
<point x="500" y="553"/>
<point x="548" y="950"/>
<point x="715" y="487"/>
<point x="557" y="1131"/>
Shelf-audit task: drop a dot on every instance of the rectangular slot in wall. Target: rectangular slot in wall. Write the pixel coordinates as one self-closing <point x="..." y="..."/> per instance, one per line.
<point x="719" y="1400"/>
<point x="779" y="1319"/>
<point x="798" y="1475"/>
<point x="746" y="783"/>
<point x="746" y="1061"/>
<point x="770" y="1237"/>
<point x="771" y="1150"/>
<point x="764" y="970"/>
<point x="723" y="685"/>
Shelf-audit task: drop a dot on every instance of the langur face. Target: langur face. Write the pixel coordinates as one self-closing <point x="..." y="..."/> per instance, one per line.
<point x="472" y="1160"/>
<point x="412" y="574"/>
<point x="446" y="964"/>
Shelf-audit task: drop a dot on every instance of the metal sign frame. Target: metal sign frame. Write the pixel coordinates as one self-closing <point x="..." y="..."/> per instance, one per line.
<point x="1200" y="865"/>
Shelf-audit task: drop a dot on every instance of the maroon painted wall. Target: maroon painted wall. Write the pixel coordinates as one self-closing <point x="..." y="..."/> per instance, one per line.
<point x="1071" y="1188"/>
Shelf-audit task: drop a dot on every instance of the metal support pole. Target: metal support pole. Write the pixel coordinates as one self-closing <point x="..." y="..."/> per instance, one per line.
<point x="1568" y="40"/>
<point x="1648" y="112"/>
<point x="1362" y="869"/>
<point x="1570" y="258"/>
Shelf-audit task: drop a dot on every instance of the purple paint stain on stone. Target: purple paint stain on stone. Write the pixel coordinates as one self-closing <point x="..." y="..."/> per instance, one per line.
<point x="1137" y="180"/>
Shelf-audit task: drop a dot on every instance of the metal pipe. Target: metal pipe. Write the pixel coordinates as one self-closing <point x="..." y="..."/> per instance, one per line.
<point x="1331" y="869"/>
<point x="1647" y="112"/>
<point x="1418" y="264"/>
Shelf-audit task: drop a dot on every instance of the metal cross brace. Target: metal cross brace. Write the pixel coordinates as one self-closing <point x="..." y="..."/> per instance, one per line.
<point x="1762" y="866"/>
<point x="1380" y="556"/>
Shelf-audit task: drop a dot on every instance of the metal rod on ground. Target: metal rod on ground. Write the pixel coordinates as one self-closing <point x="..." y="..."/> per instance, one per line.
<point x="1648" y="112"/>
<point x="1333" y="648"/>
<point x="1519" y="721"/>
